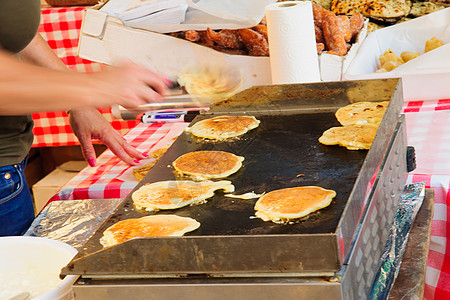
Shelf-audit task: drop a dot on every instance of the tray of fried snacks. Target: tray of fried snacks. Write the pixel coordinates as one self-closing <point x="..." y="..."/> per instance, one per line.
<point x="229" y="33"/>
<point x="418" y="46"/>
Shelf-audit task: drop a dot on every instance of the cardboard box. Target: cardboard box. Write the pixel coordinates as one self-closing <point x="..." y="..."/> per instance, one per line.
<point x="50" y="185"/>
<point x="106" y="39"/>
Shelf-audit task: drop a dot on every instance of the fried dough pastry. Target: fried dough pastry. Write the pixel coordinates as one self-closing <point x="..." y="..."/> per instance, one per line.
<point x="226" y="38"/>
<point x="319" y="35"/>
<point x="205" y="40"/>
<point x="408" y="55"/>
<point x="255" y="42"/>
<point x="192" y="35"/>
<point x="317" y="14"/>
<point x="344" y="23"/>
<point x="356" y="24"/>
<point x="433" y="43"/>
<point x="333" y="34"/>
<point x="261" y="29"/>
<point x="320" y="47"/>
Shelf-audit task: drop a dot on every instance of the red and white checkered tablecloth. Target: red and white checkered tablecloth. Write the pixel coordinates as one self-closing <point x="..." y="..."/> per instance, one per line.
<point x="60" y="27"/>
<point x="112" y="178"/>
<point x="427" y="123"/>
<point x="427" y="129"/>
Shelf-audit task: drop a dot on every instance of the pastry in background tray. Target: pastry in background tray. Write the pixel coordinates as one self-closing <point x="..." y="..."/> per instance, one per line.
<point x="223" y="127"/>
<point x="149" y="226"/>
<point x="433" y="43"/>
<point x="175" y="194"/>
<point x="284" y="205"/>
<point x="201" y="165"/>
<point x="390" y="61"/>
<point x="362" y="113"/>
<point x="419" y="9"/>
<point x="353" y="137"/>
<point x="389" y="11"/>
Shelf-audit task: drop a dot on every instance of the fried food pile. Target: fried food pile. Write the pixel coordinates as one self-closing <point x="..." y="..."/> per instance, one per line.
<point x="334" y="35"/>
<point x="247" y="41"/>
<point x="389" y="60"/>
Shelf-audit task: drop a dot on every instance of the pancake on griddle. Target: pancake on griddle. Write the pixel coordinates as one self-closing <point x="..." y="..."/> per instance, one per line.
<point x="223" y="127"/>
<point x="176" y="194"/>
<point x="141" y="171"/>
<point x="208" y="164"/>
<point x="353" y="137"/>
<point x="281" y="206"/>
<point x="362" y="113"/>
<point x="149" y="226"/>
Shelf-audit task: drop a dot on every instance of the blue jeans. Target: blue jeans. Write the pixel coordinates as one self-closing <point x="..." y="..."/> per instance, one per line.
<point x="16" y="205"/>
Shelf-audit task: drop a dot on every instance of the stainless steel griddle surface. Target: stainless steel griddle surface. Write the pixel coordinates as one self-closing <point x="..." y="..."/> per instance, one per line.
<point x="282" y="152"/>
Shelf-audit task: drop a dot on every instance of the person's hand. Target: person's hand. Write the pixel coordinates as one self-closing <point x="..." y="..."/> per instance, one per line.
<point x="88" y="123"/>
<point x="131" y="85"/>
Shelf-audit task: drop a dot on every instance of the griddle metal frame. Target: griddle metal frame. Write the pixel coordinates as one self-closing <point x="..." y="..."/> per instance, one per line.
<point x="297" y="262"/>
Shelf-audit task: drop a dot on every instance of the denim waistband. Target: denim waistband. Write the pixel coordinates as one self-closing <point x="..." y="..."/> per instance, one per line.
<point x="20" y="165"/>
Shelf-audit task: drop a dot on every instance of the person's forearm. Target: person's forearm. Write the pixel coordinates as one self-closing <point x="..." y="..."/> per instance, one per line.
<point x="39" y="53"/>
<point x="25" y="88"/>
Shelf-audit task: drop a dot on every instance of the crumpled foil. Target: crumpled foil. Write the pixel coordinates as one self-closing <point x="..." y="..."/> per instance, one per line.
<point x="72" y="221"/>
<point x="410" y="203"/>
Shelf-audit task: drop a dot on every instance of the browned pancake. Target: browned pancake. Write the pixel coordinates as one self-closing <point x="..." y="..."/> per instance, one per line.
<point x="149" y="226"/>
<point x="176" y="194"/>
<point x="362" y="113"/>
<point x="282" y="205"/>
<point x="353" y="137"/>
<point x="224" y="127"/>
<point x="208" y="164"/>
<point x="141" y="171"/>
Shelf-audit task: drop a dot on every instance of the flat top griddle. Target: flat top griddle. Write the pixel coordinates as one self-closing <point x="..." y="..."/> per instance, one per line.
<point x="282" y="152"/>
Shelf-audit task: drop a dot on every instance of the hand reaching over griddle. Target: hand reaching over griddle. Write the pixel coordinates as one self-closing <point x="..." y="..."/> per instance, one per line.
<point x="88" y="123"/>
<point x="129" y="85"/>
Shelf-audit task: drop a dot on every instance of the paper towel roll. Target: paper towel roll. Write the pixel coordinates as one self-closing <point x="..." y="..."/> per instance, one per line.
<point x="292" y="42"/>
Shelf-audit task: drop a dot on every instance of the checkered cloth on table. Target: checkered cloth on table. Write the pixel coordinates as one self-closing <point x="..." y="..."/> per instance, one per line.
<point x="60" y="27"/>
<point x="427" y="130"/>
<point x="101" y="181"/>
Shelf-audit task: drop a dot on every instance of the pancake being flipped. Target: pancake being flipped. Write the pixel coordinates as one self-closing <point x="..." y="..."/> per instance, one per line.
<point x="208" y="164"/>
<point x="176" y="194"/>
<point x="353" y="137"/>
<point x="223" y="127"/>
<point x="281" y="206"/>
<point x="362" y="113"/>
<point x="149" y="226"/>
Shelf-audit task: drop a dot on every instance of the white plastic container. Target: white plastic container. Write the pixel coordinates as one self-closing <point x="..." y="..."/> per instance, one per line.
<point x="33" y="264"/>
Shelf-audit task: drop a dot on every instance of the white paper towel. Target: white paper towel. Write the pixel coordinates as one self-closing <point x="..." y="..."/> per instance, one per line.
<point x="292" y="42"/>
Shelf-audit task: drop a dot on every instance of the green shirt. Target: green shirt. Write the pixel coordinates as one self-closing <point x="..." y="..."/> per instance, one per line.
<point x="19" y="22"/>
